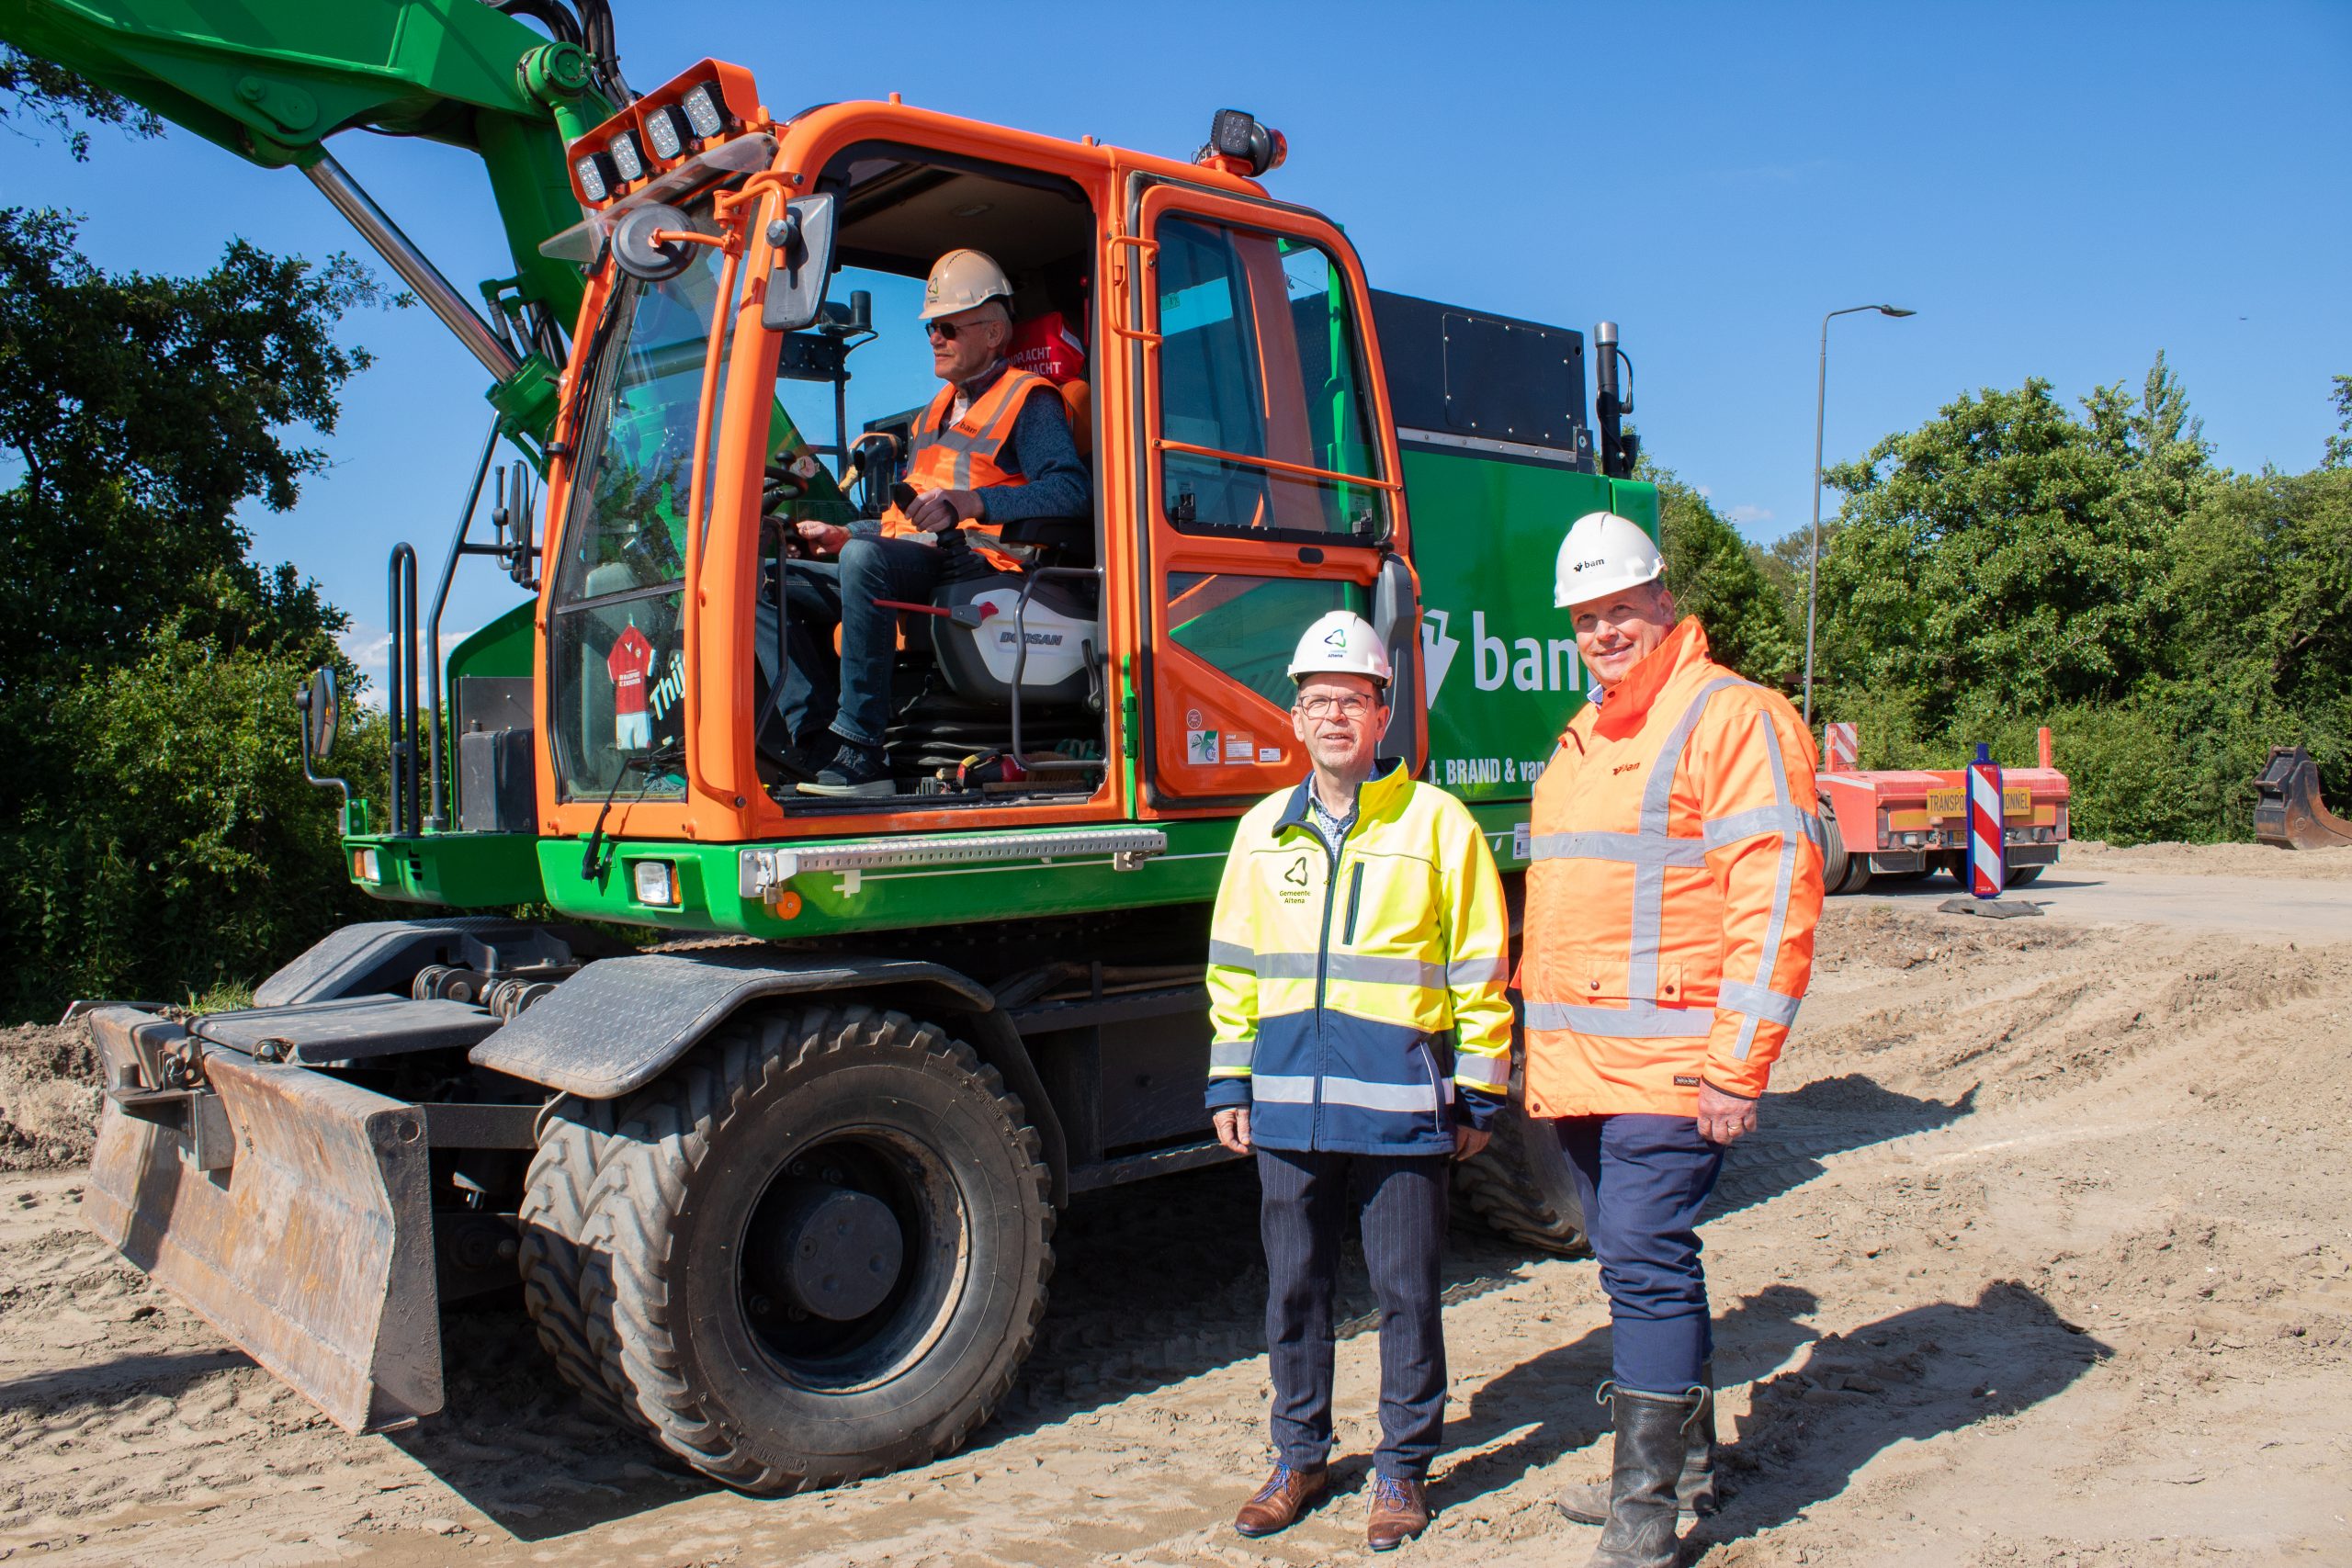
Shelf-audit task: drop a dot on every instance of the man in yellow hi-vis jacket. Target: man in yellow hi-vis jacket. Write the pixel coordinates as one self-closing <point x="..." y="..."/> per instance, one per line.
<point x="1362" y="1039"/>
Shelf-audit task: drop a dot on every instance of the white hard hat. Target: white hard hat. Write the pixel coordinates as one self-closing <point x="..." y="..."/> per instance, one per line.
<point x="962" y="280"/>
<point x="1604" y="554"/>
<point x="1341" y="643"/>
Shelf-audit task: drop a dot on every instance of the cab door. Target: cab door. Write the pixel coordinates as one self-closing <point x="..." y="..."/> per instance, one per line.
<point x="1268" y="484"/>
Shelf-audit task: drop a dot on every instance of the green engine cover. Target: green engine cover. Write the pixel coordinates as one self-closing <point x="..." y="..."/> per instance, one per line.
<point x="1499" y="662"/>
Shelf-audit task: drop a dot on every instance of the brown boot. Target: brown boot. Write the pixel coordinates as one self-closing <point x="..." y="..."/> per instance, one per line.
<point x="1400" y="1511"/>
<point x="1280" y="1501"/>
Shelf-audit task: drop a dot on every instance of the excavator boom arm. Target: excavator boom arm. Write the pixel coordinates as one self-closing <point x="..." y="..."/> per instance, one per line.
<point x="273" y="80"/>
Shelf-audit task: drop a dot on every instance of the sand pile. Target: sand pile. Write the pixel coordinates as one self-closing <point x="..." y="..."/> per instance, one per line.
<point x="49" y="1095"/>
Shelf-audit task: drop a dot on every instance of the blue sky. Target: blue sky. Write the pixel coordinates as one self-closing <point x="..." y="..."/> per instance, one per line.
<point x="2059" y="189"/>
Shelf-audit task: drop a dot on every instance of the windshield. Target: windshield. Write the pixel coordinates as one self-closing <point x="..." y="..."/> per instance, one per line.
<point x="616" y="651"/>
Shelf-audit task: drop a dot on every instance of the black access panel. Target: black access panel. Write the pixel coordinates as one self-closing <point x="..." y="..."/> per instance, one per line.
<point x="1480" y="376"/>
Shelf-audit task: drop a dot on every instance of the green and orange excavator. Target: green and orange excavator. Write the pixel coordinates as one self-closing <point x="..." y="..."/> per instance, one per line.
<point x="780" y="1188"/>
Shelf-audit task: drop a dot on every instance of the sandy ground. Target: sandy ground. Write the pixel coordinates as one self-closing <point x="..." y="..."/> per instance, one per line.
<point x="2040" y="1259"/>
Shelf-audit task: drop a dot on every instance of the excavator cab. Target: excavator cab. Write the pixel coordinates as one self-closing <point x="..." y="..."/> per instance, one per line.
<point x="1213" y="351"/>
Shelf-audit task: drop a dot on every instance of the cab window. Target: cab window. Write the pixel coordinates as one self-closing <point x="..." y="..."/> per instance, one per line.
<point x="616" y="652"/>
<point x="1262" y="375"/>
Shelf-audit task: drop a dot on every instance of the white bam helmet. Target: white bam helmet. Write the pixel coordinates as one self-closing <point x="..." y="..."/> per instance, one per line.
<point x="1341" y="643"/>
<point x="1604" y="554"/>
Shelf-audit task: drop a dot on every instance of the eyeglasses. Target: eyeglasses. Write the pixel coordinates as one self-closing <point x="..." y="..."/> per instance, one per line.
<point x="1348" y="707"/>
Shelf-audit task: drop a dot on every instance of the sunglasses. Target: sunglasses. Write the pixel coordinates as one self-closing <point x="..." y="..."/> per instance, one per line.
<point x="946" y="331"/>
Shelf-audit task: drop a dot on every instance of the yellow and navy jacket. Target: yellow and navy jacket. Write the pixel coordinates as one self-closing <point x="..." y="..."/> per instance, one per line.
<point x="1358" y="997"/>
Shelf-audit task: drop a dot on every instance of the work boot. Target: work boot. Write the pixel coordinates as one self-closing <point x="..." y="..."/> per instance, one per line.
<point x="1653" y="1431"/>
<point x="1697" y="1492"/>
<point x="1400" y="1511"/>
<point x="854" y="770"/>
<point x="802" y="762"/>
<point x="1281" y="1500"/>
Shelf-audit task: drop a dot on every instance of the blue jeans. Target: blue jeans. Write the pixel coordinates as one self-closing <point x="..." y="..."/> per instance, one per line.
<point x="1642" y="1181"/>
<point x="851" y="696"/>
<point x="1399" y="1203"/>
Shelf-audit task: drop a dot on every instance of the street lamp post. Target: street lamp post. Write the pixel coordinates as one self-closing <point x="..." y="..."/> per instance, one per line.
<point x="1813" y="568"/>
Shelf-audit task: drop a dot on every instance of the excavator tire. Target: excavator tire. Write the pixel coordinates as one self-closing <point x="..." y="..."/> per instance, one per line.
<point x="553" y="1222"/>
<point x="1519" y="1184"/>
<point x="762" y="1346"/>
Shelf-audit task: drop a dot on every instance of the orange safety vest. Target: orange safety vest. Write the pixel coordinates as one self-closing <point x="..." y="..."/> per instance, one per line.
<point x="1674" y="885"/>
<point x="963" y="456"/>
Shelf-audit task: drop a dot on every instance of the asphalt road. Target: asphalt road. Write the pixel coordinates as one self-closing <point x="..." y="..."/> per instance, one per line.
<point x="2252" y="908"/>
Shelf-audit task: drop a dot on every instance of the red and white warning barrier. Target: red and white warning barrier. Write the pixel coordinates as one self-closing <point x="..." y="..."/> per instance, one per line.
<point x="1843" y="745"/>
<point x="1988" y="859"/>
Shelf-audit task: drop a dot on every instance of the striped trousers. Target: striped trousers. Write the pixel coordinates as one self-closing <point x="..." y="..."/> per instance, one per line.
<point x="1399" y="1205"/>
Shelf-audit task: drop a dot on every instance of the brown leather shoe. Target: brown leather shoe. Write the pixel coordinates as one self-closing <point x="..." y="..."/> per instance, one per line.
<point x="1400" y="1511"/>
<point x="1280" y="1501"/>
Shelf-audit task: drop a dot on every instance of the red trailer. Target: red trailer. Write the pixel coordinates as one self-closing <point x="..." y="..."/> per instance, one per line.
<point x="1904" y="823"/>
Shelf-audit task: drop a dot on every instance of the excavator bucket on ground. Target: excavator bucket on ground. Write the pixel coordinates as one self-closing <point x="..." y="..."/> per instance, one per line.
<point x="2289" y="810"/>
<point x="291" y="1208"/>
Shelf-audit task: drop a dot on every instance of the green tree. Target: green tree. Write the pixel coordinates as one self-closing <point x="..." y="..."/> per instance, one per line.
<point x="32" y="89"/>
<point x="140" y="410"/>
<point x="2007" y="547"/>
<point x="156" y="834"/>
<point x="2338" y="451"/>
<point x="1716" y="575"/>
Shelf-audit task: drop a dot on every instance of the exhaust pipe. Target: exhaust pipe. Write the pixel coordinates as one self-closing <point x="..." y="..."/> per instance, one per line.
<point x="1619" y="447"/>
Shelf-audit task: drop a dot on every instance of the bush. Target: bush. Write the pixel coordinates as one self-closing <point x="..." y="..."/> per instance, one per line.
<point x="184" y="853"/>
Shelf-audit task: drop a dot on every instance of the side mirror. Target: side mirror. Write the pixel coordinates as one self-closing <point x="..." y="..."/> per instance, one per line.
<point x="1396" y="621"/>
<point x="803" y="240"/>
<point x="321" y="714"/>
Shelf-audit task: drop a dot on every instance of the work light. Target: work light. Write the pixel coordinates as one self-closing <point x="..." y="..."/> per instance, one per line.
<point x="366" y="867"/>
<point x="665" y="129"/>
<point x="656" y="881"/>
<point x="1237" y="134"/>
<point x="625" y="157"/>
<point x="702" y="110"/>
<point x="597" y="176"/>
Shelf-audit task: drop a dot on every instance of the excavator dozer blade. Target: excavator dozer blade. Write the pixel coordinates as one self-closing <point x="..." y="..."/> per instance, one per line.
<point x="2287" y="808"/>
<point x="291" y="1209"/>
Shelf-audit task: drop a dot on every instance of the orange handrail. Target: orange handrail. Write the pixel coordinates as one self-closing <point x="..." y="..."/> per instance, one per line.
<point x="1275" y="465"/>
<point x="687" y="237"/>
<point x="1146" y="249"/>
<point x="722" y="325"/>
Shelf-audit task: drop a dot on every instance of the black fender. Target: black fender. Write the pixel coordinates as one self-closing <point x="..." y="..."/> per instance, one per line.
<point x="620" y="1023"/>
<point x="378" y="956"/>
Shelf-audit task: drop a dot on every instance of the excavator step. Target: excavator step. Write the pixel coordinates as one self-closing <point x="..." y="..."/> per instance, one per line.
<point x="2289" y="810"/>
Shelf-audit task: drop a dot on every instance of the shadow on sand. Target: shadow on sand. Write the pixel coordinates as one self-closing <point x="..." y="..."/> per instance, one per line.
<point x="1153" y="1284"/>
<point x="1910" y="1376"/>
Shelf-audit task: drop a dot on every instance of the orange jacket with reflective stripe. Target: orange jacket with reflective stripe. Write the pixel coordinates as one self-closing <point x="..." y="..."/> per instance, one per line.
<point x="1674" y="886"/>
<point x="963" y="456"/>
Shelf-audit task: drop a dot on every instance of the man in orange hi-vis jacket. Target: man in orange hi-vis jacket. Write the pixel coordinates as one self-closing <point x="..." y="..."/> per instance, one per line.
<point x="1675" y="885"/>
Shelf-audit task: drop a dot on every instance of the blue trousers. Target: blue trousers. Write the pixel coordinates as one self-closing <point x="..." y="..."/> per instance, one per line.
<point x="1642" y="1181"/>
<point x="851" y="696"/>
<point x="1399" y="1203"/>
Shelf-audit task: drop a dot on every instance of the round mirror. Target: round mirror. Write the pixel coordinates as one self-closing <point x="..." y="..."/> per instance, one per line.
<point x="638" y="250"/>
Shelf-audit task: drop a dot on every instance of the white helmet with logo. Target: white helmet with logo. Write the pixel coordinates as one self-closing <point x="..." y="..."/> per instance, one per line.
<point x="1604" y="554"/>
<point x="964" y="280"/>
<point x="1341" y="643"/>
